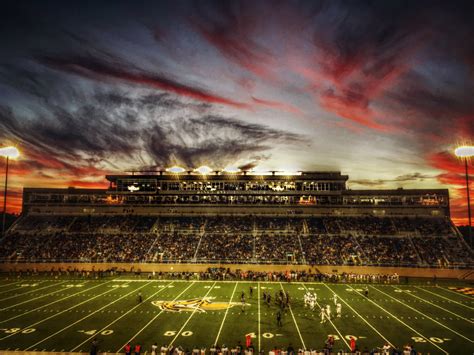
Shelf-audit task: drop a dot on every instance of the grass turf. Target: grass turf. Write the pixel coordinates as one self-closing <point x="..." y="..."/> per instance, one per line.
<point x="66" y="314"/>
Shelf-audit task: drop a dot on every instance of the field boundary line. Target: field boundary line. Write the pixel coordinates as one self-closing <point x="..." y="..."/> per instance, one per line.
<point x="85" y="317"/>
<point x="226" y="312"/>
<point x="435" y="305"/>
<point x="330" y="321"/>
<point x="189" y="318"/>
<point x="30" y="300"/>
<point x="35" y="290"/>
<point x="456" y="293"/>
<point x="153" y="319"/>
<point x="57" y="314"/>
<point x="427" y="316"/>
<point x="446" y="298"/>
<point x="294" y="320"/>
<point x="366" y="321"/>
<point x="204" y="281"/>
<point x="400" y="321"/>
<point x="123" y="315"/>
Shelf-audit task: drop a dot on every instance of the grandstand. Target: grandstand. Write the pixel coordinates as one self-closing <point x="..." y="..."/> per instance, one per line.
<point x="309" y="218"/>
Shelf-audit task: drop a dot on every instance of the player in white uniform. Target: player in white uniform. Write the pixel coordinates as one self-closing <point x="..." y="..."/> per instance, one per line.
<point x="312" y="303"/>
<point x="307" y="297"/>
<point x="322" y="313"/>
<point x="338" y="310"/>
<point x="315" y="296"/>
<point x="328" y="311"/>
<point x="334" y="297"/>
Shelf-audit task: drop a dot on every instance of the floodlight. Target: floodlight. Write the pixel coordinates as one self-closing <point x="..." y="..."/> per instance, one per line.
<point x="176" y="170"/>
<point x="231" y="170"/>
<point x="9" y="152"/>
<point x="464" y="151"/>
<point x="204" y="170"/>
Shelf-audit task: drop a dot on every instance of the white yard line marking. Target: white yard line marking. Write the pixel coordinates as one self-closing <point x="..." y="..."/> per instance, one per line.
<point x="330" y="321"/>
<point x="123" y="315"/>
<point x="83" y="318"/>
<point x="151" y="321"/>
<point x="399" y="320"/>
<point x="30" y="300"/>
<point x="446" y="298"/>
<point x="435" y="305"/>
<point x="259" y="332"/>
<point x="456" y="293"/>
<point x="57" y="314"/>
<point x="427" y="316"/>
<point x="11" y="283"/>
<point x="11" y="290"/>
<point x="368" y="323"/>
<point x="294" y="320"/>
<point x="189" y="318"/>
<point x="49" y="304"/>
<point x="34" y="290"/>
<point x="225" y="315"/>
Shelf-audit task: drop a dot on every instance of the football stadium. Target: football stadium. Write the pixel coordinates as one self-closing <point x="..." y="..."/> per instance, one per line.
<point x="207" y="260"/>
<point x="236" y="177"/>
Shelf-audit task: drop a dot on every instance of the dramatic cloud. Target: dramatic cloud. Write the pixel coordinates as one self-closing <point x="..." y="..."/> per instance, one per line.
<point x="100" y="69"/>
<point x="380" y="89"/>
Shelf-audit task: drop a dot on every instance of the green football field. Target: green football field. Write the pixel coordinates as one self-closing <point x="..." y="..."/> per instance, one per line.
<point x="66" y="314"/>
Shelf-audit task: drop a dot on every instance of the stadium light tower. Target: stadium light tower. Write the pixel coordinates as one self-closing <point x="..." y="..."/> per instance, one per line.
<point x="465" y="152"/>
<point x="7" y="152"/>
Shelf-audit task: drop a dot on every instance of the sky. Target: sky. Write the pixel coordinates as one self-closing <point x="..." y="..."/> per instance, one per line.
<point x="379" y="90"/>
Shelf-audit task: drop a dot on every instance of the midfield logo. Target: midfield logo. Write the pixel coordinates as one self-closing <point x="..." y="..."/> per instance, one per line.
<point x="196" y="304"/>
<point x="465" y="290"/>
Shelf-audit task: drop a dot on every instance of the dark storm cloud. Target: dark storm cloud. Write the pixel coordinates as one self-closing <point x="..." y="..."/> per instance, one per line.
<point x="113" y="124"/>
<point x="366" y="48"/>
<point x="437" y="113"/>
<point x="213" y="140"/>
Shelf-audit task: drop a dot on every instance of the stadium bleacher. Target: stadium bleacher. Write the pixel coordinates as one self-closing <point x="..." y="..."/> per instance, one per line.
<point x="398" y="241"/>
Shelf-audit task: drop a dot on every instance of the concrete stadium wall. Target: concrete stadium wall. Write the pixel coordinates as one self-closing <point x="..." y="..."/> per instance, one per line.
<point x="262" y="210"/>
<point x="467" y="274"/>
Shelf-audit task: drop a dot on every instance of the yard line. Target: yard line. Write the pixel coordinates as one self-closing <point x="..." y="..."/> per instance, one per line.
<point x="399" y="320"/>
<point x="225" y="315"/>
<point x="12" y="289"/>
<point x="446" y="298"/>
<point x="57" y="314"/>
<point x="192" y="314"/>
<point x="435" y="305"/>
<point x="353" y="310"/>
<point x="294" y="320"/>
<point x="11" y="283"/>
<point x="151" y="321"/>
<point x="35" y="290"/>
<point x="258" y="295"/>
<point x="83" y="318"/>
<point x="330" y="321"/>
<point x="427" y="316"/>
<point x="456" y="293"/>
<point x="123" y="315"/>
<point x="30" y="300"/>
<point x="49" y="304"/>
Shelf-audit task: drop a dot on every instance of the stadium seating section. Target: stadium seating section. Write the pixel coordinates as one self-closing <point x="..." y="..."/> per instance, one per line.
<point x="417" y="241"/>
